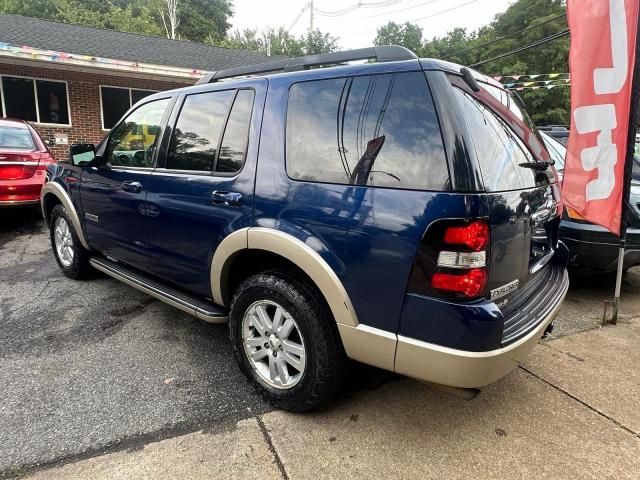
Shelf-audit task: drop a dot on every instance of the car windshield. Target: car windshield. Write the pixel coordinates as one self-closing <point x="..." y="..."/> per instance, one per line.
<point x="558" y="152"/>
<point x="16" y="138"/>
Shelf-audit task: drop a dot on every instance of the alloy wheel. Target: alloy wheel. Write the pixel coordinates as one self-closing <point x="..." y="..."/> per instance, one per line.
<point x="273" y="344"/>
<point x="63" y="241"/>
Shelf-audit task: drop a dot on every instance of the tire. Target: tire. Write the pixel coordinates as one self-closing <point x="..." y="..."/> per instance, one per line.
<point x="76" y="263"/>
<point x="313" y="328"/>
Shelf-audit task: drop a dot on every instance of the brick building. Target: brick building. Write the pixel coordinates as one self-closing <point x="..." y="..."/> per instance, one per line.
<point x="73" y="83"/>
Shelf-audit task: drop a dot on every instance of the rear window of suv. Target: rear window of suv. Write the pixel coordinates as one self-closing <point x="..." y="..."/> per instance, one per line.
<point x="375" y="130"/>
<point x="498" y="149"/>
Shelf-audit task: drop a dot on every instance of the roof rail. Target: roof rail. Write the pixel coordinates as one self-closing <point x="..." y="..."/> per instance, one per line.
<point x="385" y="53"/>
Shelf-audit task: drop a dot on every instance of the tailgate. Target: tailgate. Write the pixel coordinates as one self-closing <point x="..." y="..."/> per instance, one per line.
<point x="524" y="235"/>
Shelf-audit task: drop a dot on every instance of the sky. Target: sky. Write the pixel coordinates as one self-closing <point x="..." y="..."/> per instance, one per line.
<point x="357" y="28"/>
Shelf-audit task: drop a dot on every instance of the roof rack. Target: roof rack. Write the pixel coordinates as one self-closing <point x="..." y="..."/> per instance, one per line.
<point x="385" y="53"/>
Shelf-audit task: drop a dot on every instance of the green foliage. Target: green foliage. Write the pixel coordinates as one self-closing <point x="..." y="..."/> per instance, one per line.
<point x="282" y="42"/>
<point x="545" y="106"/>
<point x="199" y="19"/>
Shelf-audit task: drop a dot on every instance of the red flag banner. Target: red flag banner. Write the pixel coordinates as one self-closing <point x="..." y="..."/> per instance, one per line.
<point x="601" y="62"/>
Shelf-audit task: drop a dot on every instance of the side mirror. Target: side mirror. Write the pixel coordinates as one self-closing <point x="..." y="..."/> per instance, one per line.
<point x="49" y="143"/>
<point x="81" y="153"/>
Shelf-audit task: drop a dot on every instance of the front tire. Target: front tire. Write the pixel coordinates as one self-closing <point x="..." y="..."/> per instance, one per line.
<point x="72" y="257"/>
<point x="286" y="341"/>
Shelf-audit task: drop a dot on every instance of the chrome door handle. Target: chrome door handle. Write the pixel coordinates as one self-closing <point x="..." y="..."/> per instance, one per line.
<point x="220" y="197"/>
<point x="130" y="186"/>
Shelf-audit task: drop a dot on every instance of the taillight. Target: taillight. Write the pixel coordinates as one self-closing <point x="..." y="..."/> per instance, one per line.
<point x="471" y="283"/>
<point x="45" y="160"/>
<point x="452" y="260"/>
<point x="474" y="235"/>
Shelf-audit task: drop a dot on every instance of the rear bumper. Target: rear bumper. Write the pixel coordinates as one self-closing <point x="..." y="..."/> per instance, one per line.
<point x="21" y="192"/>
<point x="593" y="248"/>
<point x="466" y="369"/>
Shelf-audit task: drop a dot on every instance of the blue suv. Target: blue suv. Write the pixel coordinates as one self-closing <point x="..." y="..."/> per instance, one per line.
<point x="403" y="213"/>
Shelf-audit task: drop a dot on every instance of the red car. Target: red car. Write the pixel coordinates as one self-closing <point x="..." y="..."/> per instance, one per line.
<point x="24" y="158"/>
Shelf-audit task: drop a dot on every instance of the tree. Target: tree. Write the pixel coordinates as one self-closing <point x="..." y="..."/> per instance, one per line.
<point x="201" y="19"/>
<point x="546" y="106"/>
<point x="279" y="42"/>
<point x="169" y="17"/>
<point x="407" y="35"/>
<point x="189" y="19"/>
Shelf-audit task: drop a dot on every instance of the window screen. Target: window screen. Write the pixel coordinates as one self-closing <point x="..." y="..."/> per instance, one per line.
<point x="236" y="135"/>
<point x="378" y="130"/>
<point x="498" y="150"/>
<point x="115" y="103"/>
<point x="19" y="98"/>
<point x="195" y="138"/>
<point x="52" y="102"/>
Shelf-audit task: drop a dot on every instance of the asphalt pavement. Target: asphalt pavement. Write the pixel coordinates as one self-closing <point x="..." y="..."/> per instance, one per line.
<point x="96" y="366"/>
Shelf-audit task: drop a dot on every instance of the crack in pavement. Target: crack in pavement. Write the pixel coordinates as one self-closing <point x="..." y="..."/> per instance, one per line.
<point x="580" y="401"/>
<point x="32" y="300"/>
<point x="272" y="448"/>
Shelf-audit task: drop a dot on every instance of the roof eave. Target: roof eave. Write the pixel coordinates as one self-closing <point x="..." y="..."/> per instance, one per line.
<point x="26" y="55"/>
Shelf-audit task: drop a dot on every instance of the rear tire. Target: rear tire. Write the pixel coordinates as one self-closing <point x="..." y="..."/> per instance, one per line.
<point x="278" y="319"/>
<point x="72" y="257"/>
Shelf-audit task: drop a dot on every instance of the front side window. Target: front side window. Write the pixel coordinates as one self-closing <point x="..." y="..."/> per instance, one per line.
<point x="133" y="141"/>
<point x="378" y="130"/>
<point x="41" y="101"/>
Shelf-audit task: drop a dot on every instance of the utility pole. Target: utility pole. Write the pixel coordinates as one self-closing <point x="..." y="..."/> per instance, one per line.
<point x="310" y="15"/>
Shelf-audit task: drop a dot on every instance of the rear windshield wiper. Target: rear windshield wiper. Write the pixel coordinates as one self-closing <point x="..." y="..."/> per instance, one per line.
<point x="539" y="165"/>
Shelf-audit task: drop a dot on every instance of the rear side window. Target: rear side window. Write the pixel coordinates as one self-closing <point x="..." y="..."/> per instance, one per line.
<point x="234" y="142"/>
<point x="196" y="143"/>
<point x="377" y="130"/>
<point x="16" y="138"/>
<point x="498" y="149"/>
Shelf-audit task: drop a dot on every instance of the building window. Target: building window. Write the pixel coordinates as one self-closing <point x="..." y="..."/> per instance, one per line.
<point x="115" y="102"/>
<point x="41" y="101"/>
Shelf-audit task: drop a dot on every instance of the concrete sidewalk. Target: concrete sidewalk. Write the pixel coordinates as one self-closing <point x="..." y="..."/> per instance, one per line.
<point x="571" y="412"/>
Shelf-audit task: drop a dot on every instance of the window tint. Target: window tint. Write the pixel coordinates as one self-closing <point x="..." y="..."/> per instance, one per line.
<point x="137" y="95"/>
<point x="16" y="138"/>
<point x="195" y="138"/>
<point x="115" y="103"/>
<point x="234" y="143"/>
<point x="498" y="150"/>
<point x="19" y="98"/>
<point x="378" y="130"/>
<point x="21" y="94"/>
<point x="52" y="102"/>
<point x="133" y="141"/>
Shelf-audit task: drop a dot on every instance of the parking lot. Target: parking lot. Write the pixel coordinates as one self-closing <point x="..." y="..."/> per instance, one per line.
<point x="94" y="367"/>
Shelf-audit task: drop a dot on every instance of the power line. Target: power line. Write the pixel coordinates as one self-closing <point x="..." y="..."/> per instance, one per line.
<point x="537" y="43"/>
<point x="363" y="17"/>
<point x="429" y="16"/>
<point x="449" y="55"/>
<point x="444" y="11"/>
<point x="355" y="6"/>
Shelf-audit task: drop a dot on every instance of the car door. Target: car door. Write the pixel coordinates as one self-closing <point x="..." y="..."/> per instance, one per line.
<point x="113" y="190"/>
<point x="203" y="187"/>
